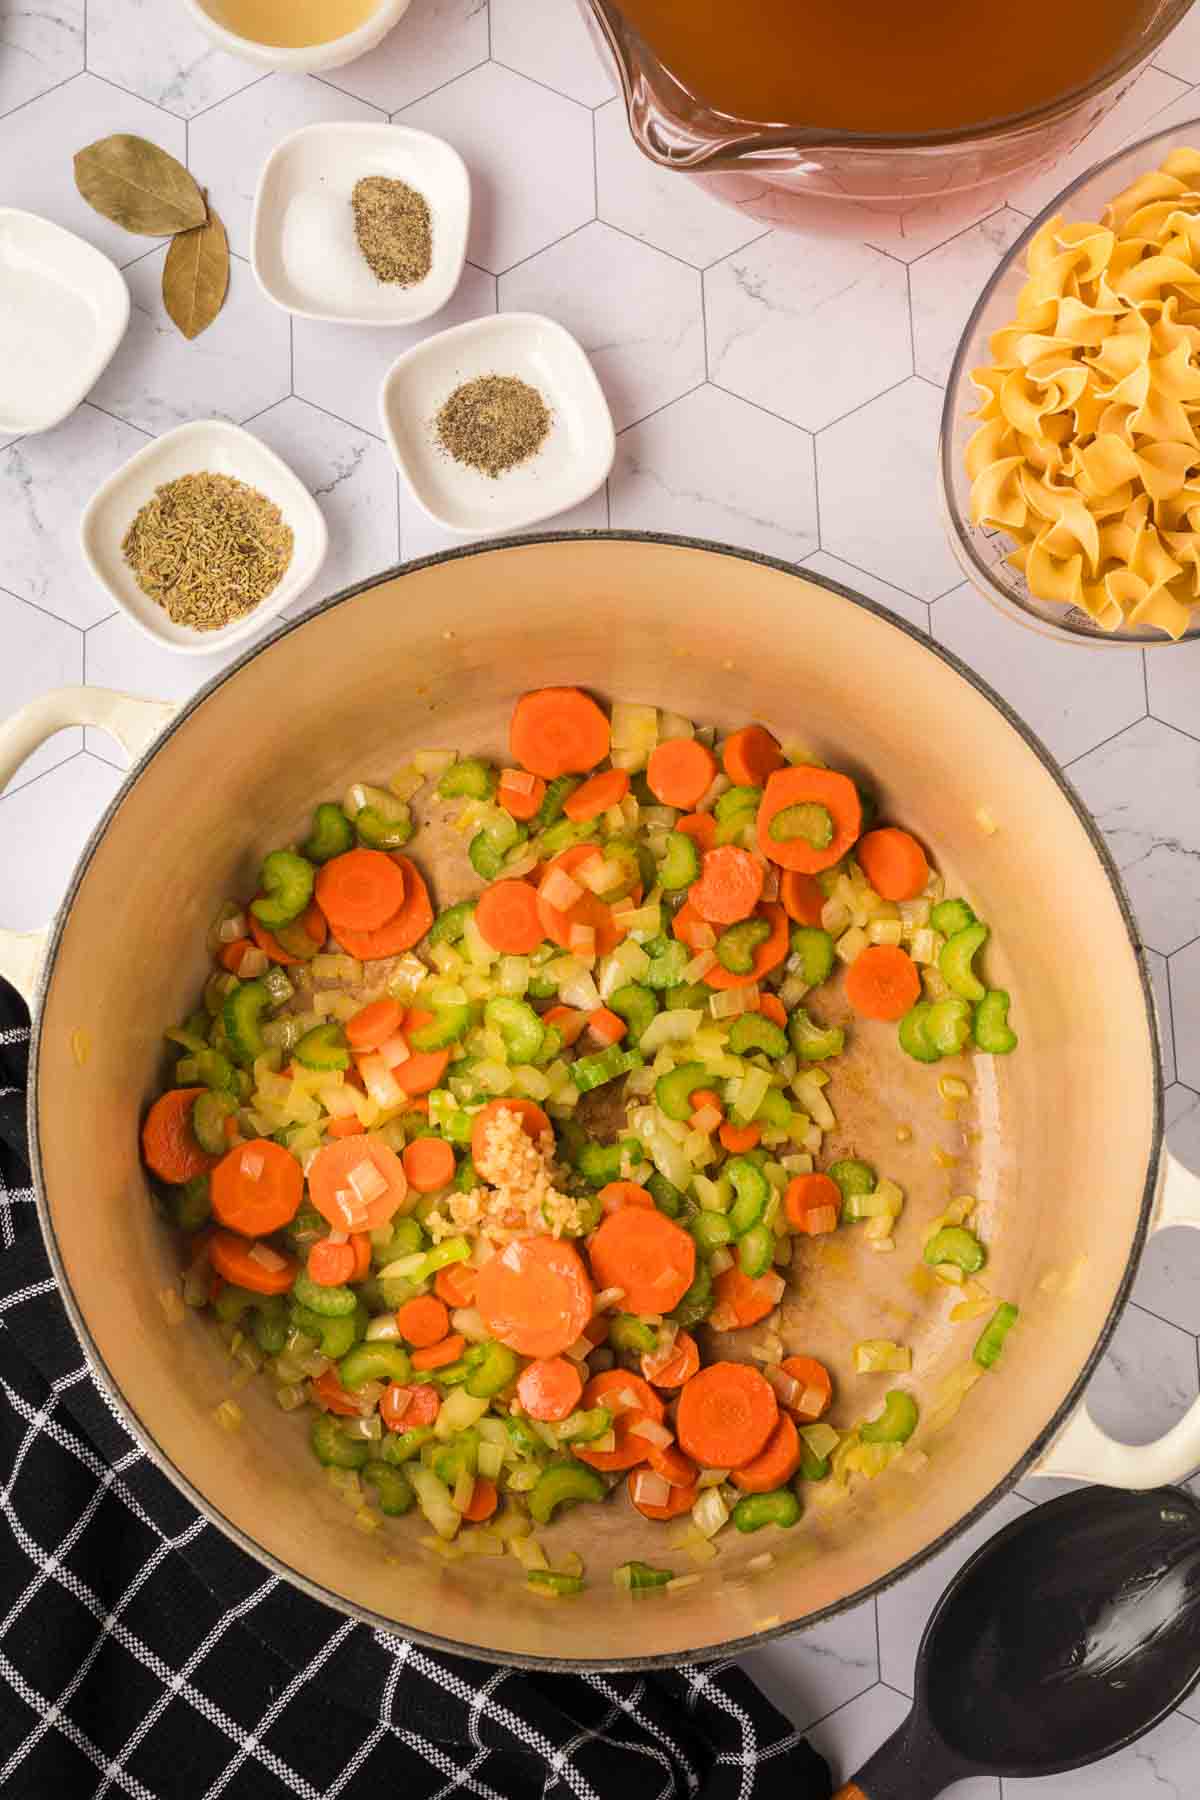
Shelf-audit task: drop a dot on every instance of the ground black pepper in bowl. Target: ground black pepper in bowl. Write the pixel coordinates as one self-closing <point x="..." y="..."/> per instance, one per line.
<point x="493" y="423"/>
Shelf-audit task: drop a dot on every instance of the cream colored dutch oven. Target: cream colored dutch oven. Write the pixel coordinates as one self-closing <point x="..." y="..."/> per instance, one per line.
<point x="1064" y="1140"/>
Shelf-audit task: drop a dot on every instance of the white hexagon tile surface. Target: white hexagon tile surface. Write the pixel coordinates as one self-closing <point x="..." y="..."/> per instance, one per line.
<point x="774" y="390"/>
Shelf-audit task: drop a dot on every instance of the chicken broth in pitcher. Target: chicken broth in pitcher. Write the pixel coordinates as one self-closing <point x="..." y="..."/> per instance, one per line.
<point x="874" y="68"/>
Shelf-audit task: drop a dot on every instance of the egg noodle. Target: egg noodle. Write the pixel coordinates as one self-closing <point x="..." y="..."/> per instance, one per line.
<point x="1088" y="454"/>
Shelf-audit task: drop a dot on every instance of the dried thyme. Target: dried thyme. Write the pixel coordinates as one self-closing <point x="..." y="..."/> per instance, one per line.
<point x="207" y="548"/>
<point x="493" y="423"/>
<point x="394" y="230"/>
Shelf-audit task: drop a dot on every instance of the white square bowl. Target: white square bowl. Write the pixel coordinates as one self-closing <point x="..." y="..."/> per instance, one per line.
<point x="574" y="460"/>
<point x="214" y="447"/>
<point x="63" y="311"/>
<point x="303" y="247"/>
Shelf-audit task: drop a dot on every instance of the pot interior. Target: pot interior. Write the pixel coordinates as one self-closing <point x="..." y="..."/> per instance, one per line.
<point x="1060" y="1142"/>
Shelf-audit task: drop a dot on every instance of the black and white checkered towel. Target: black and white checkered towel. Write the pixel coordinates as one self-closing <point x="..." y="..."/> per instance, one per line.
<point x="142" y="1654"/>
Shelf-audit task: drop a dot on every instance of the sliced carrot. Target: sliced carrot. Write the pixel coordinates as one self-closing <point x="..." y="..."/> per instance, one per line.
<point x="767" y="956"/>
<point x="739" y="1138"/>
<point x="230" y="955"/>
<point x="893" y="862"/>
<point x="730" y="885"/>
<point x="404" y="1405"/>
<point x="314" y="923"/>
<point x="631" y="1448"/>
<point x="570" y="1020"/>
<point x="534" y="1123"/>
<point x="807" y="1202"/>
<point x="456" y="1285"/>
<point x="605" y="1026"/>
<point x="801" y="897"/>
<point x="701" y="827"/>
<point x="483" y="1502"/>
<point x="360" y="1243"/>
<point x="423" y="1321"/>
<point x="507" y="917"/>
<point x="436" y="1356"/>
<point x="775" y="1463"/>
<point x="169" y="1144"/>
<point x="429" y="1164"/>
<point x="256" y="1188"/>
<point x="333" y="1395"/>
<point x="361" y="890"/>
<point x="330" y="1264"/>
<point x="772" y="1007"/>
<point x="374" y="1025"/>
<point x="331" y="1183"/>
<point x="535" y="1296"/>
<point x="421" y="1070"/>
<point x="680" y="772"/>
<point x="647" y="1255"/>
<point x="680" y="1500"/>
<point x="805" y="783"/>
<point x="596" y="795"/>
<point x="231" y="1256"/>
<point x="882" y="982"/>
<point x="350" y="1126"/>
<point x="815" y="1382"/>
<point x="615" y="1194"/>
<point x="726" y="1414"/>
<point x="520" y="802"/>
<point x="682" y="1366"/>
<point x="588" y="910"/>
<point x="558" y="731"/>
<point x="745" y="1296"/>
<point x="750" y="755"/>
<point x="669" y="1461"/>
<point x="550" y="1388"/>
<point x="405" y="927"/>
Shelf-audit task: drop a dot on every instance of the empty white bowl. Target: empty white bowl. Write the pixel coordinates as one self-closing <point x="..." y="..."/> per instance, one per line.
<point x="574" y="460"/>
<point x="63" y="311"/>
<point x="209" y="446"/>
<point x="333" y="54"/>
<point x="303" y="246"/>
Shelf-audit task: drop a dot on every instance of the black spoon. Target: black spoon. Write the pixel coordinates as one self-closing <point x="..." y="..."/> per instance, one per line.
<point x="1071" y="1633"/>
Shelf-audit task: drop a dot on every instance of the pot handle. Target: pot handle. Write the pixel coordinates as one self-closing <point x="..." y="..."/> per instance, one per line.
<point x="1085" y="1453"/>
<point x="134" y="723"/>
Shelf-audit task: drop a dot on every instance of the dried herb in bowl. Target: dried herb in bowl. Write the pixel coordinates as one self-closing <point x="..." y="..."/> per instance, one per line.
<point x="207" y="548"/>
<point x="394" y="229"/>
<point x="493" y="423"/>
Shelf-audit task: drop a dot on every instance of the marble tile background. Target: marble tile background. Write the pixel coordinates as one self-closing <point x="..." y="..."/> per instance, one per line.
<point x="761" y="382"/>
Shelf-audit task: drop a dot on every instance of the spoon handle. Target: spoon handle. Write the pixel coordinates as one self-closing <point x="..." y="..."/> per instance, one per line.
<point x="913" y="1764"/>
<point x="851" y="1791"/>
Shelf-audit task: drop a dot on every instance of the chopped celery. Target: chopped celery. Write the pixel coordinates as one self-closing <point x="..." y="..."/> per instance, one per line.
<point x="753" y="1031"/>
<point x="564" y="1484"/>
<point x="812" y="1042"/>
<point x="947" y="1025"/>
<point x="558" y="792"/>
<point x="379" y="1361"/>
<point x="668" y="960"/>
<point x="242" y="1019"/>
<point x="680" y="866"/>
<point x="594" y="1071"/>
<point x="450" y="924"/>
<point x="751" y="1190"/>
<point x="518" y="1025"/>
<point x="737" y="803"/>
<point x="470" y="779"/>
<point x="814" y="948"/>
<point x="286" y="881"/>
<point x="993" y="1033"/>
<point x="991" y="1339"/>
<point x="392" y="1487"/>
<point x="756" y="1251"/>
<point x="914" y="1036"/>
<point x="209" y="1113"/>
<point x="853" y="1177"/>
<point x="753" y="1511"/>
<point x="807" y="822"/>
<point x="950" y="917"/>
<point x="324" y="1047"/>
<point x="896" y="1423"/>
<point x="637" y="1005"/>
<point x="331" y="1446"/>
<point x="955" y="1244"/>
<point x="957" y="955"/>
<point x="673" y="1092"/>
<point x="493" y="1367"/>
<point x="331" y="835"/>
<point x="697" y="1303"/>
<point x="737" y="944"/>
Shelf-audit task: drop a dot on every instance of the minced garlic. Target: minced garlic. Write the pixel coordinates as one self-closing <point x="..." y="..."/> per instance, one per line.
<point x="520" y="1198"/>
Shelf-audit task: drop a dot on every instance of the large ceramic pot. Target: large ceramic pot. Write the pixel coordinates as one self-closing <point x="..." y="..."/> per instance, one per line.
<point x="1066" y="1148"/>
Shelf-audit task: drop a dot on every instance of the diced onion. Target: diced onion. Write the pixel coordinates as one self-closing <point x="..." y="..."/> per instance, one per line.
<point x="728" y="1003"/>
<point x="384" y="1329"/>
<point x="710" y="1512"/>
<point x="650" y="1489"/>
<point x="706" y="1118"/>
<point x="582" y="941"/>
<point x="230" y="930"/>
<point x="560" y="891"/>
<point x="252" y="1164"/>
<point x="367" y="1181"/>
<point x="674" y="1027"/>
<point x="581" y="992"/>
<point x="787" y="1389"/>
<point x="653" y="1432"/>
<point x="351" y="1210"/>
<point x="580" y="1350"/>
<point x="267" y="1258"/>
<point x="394" y="1050"/>
<point x="719" y="1261"/>
<point x="711" y="1478"/>
<point x="599" y="874"/>
<point x="381" y="1084"/>
<point x="701" y="963"/>
<point x="608" y="1298"/>
<point x="518" y="781"/>
<point x="172" y="1304"/>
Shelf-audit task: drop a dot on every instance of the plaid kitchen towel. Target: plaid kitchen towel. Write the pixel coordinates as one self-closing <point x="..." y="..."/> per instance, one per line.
<point x="142" y="1654"/>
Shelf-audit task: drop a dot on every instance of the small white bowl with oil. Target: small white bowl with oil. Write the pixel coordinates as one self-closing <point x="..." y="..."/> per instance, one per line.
<point x="299" y="37"/>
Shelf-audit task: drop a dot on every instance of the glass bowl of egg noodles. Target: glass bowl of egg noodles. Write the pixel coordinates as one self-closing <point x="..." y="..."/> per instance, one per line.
<point x="1069" y="463"/>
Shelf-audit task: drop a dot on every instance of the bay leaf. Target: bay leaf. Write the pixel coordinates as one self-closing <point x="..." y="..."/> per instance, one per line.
<point x="196" y="276"/>
<point x="138" y="186"/>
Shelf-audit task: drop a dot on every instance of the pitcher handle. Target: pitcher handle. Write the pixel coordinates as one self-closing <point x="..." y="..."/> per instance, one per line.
<point x="133" y="722"/>
<point x="1082" y="1450"/>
